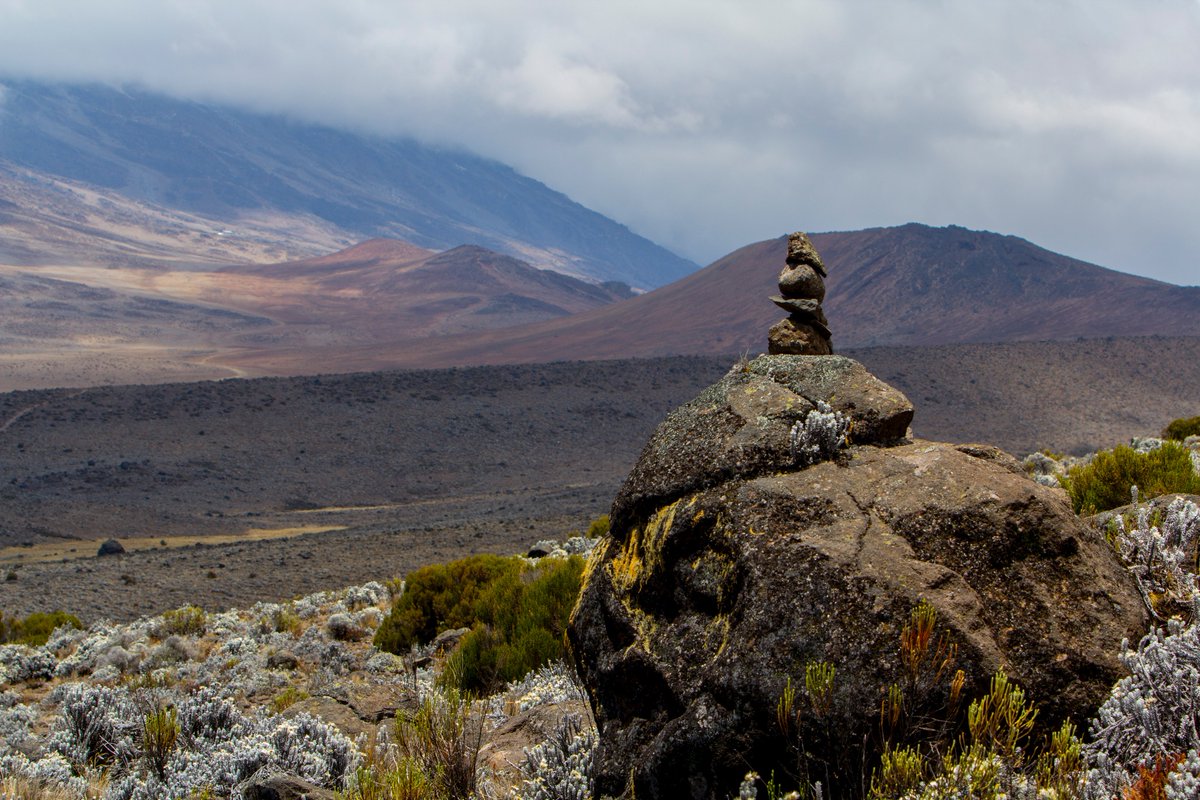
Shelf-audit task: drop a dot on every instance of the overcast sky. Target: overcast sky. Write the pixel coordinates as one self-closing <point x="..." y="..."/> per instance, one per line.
<point x="708" y="125"/>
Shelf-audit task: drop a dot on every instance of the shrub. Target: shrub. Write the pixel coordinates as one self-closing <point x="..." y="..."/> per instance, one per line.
<point x="20" y="663"/>
<point x="517" y="614"/>
<point x="341" y="627"/>
<point x="280" y="619"/>
<point x="1160" y="550"/>
<point x="1107" y="481"/>
<point x="160" y="732"/>
<point x="439" y="597"/>
<point x="1150" y="714"/>
<point x="186" y="621"/>
<point x="35" y="629"/>
<point x="1182" y="428"/>
<point x="521" y="621"/>
<point x="598" y="527"/>
<point x="443" y="737"/>
<point x="561" y="767"/>
<point x="819" y="437"/>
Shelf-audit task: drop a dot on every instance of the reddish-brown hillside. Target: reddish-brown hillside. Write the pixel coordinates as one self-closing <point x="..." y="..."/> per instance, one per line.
<point x="911" y="285"/>
<point x="390" y="289"/>
<point x="920" y="285"/>
<point x="368" y="255"/>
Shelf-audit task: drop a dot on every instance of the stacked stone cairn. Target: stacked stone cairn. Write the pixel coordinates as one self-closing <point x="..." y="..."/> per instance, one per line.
<point x="805" y="332"/>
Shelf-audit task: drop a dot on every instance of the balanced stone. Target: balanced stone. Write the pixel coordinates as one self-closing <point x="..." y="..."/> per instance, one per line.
<point x="801" y="281"/>
<point x="801" y="251"/>
<point x="804" y="308"/>
<point x="790" y="338"/>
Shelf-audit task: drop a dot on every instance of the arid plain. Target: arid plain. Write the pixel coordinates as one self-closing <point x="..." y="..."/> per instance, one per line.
<point x="133" y="337"/>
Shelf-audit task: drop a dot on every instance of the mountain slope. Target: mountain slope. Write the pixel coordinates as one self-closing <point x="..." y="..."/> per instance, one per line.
<point x="387" y="287"/>
<point x="221" y="162"/>
<point x="69" y="325"/>
<point x="920" y="285"/>
<point x="909" y="285"/>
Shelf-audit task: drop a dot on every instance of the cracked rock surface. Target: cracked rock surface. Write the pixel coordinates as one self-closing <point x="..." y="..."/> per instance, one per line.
<point x="729" y="568"/>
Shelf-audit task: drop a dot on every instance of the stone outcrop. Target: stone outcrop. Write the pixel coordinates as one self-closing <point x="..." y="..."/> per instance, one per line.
<point x="805" y="331"/>
<point x="730" y="566"/>
<point x="110" y="547"/>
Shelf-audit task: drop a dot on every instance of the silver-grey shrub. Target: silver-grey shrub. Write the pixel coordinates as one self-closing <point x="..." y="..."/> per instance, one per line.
<point x="561" y="768"/>
<point x="1160" y="555"/>
<point x="219" y="747"/>
<point x="820" y="435"/>
<point x="20" y="663"/>
<point x="1154" y="711"/>
<point x="97" y="725"/>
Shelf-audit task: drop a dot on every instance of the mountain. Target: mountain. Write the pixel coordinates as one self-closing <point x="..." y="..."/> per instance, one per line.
<point x="68" y="325"/>
<point x="920" y="285"/>
<point x="223" y="163"/>
<point x="385" y="288"/>
<point x="908" y="285"/>
<point x="386" y="304"/>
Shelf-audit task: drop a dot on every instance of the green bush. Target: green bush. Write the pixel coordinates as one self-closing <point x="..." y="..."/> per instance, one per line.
<point x="517" y="614"/>
<point x="599" y="527"/>
<point x="1106" y="482"/>
<point x="1182" y="428"/>
<point x="36" y="628"/>
<point x="185" y="621"/>
<point x="521" y="624"/>
<point x="439" y="597"/>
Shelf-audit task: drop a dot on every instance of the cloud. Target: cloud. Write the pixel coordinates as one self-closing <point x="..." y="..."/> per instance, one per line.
<point x="709" y="124"/>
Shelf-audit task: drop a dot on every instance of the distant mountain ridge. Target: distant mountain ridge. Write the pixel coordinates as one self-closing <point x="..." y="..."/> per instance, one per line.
<point x="907" y="285"/>
<point x="220" y="161"/>
<point x="385" y="287"/>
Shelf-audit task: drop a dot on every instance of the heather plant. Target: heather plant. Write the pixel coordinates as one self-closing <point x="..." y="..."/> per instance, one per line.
<point x="517" y="614"/>
<point x="35" y="629"/>
<point x="185" y="621"/>
<point x="1182" y="428"/>
<point x="1107" y="480"/>
<point x="439" y="597"/>
<point x="160" y="732"/>
<point x="521" y="620"/>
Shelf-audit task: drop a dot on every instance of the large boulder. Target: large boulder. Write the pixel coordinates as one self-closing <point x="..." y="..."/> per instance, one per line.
<point x="730" y="569"/>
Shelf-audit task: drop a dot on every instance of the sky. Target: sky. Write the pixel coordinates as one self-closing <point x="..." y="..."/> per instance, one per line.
<point x="708" y="125"/>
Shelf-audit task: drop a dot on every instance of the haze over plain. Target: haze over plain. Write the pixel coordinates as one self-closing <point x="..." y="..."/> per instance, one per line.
<point x="707" y="125"/>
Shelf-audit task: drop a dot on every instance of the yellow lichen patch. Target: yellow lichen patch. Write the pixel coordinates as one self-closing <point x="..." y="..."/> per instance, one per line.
<point x="642" y="551"/>
<point x="627" y="565"/>
<point x="718" y="632"/>
<point x="644" y="624"/>
<point x="595" y="559"/>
